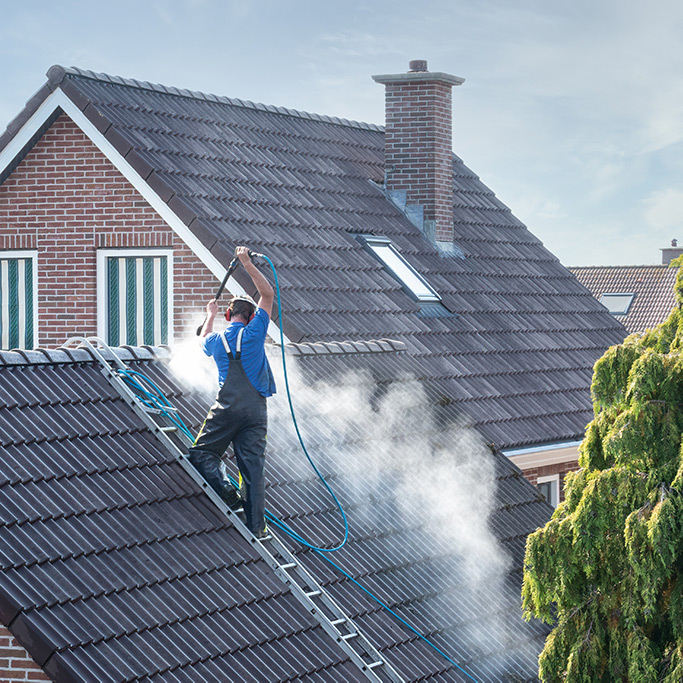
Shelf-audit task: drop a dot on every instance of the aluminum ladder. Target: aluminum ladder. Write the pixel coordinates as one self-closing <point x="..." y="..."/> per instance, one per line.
<point x="303" y="586"/>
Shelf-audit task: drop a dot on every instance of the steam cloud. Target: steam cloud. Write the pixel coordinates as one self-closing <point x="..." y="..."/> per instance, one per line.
<point x="441" y="481"/>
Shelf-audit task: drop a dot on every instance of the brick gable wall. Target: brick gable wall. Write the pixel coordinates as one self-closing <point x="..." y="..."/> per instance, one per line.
<point x="15" y="663"/>
<point x="66" y="199"/>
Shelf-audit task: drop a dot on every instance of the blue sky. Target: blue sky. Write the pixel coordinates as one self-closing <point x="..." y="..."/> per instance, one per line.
<point x="572" y="112"/>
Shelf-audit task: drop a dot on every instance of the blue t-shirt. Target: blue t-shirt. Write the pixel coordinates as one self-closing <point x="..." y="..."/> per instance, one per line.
<point x="253" y="356"/>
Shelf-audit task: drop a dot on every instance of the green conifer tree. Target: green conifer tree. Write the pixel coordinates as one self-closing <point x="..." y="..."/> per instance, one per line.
<point x="606" y="570"/>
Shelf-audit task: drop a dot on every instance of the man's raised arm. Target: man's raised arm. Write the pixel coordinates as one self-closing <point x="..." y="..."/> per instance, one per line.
<point x="262" y="285"/>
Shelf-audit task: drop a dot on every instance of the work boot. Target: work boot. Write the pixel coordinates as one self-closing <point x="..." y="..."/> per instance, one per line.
<point x="208" y="465"/>
<point x="263" y="533"/>
<point x="230" y="496"/>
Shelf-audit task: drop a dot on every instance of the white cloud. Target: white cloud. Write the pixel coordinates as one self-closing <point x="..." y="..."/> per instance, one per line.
<point x="533" y="208"/>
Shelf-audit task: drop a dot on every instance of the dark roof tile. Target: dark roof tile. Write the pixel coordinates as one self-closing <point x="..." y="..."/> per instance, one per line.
<point x="113" y="560"/>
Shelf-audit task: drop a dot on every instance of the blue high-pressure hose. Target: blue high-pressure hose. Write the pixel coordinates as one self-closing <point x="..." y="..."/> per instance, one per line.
<point x="152" y="397"/>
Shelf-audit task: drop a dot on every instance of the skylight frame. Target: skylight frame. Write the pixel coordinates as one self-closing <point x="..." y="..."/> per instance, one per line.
<point x="383" y="249"/>
<point x="622" y="310"/>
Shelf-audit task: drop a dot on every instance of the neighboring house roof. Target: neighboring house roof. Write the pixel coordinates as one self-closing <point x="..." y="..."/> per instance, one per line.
<point x="652" y="287"/>
<point x="517" y="354"/>
<point x="116" y="566"/>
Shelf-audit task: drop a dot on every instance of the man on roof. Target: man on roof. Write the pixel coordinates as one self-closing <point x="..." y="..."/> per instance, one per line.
<point x="239" y="415"/>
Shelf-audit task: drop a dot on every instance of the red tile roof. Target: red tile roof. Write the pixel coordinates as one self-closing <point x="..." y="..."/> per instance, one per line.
<point x="653" y="287"/>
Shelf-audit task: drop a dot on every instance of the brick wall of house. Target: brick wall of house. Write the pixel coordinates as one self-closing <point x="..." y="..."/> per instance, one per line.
<point x="66" y="199"/>
<point x="418" y="148"/>
<point x="15" y="663"/>
<point x="561" y="468"/>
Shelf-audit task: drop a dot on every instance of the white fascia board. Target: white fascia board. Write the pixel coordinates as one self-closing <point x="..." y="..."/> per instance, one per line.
<point x="542" y="456"/>
<point x="59" y="99"/>
<point x="29" y="129"/>
<point x="539" y="449"/>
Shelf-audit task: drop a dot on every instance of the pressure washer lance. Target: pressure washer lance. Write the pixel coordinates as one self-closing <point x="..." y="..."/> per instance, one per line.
<point x="231" y="269"/>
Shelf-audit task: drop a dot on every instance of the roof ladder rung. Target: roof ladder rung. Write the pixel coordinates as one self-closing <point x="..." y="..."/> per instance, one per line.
<point x="336" y="622"/>
<point x="312" y="594"/>
<point x="289" y="565"/>
<point x="348" y="636"/>
<point x="168" y="429"/>
<point x="375" y="664"/>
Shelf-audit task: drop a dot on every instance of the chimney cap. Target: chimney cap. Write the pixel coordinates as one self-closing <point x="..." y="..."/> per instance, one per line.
<point x="419" y="75"/>
<point x="417" y="65"/>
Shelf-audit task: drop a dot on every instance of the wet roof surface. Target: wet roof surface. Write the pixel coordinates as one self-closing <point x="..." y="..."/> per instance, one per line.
<point x="115" y="566"/>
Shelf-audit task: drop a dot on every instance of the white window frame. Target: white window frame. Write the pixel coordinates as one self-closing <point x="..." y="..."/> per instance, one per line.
<point x="371" y="241"/>
<point x="33" y="255"/>
<point x="102" y="283"/>
<point x="616" y="294"/>
<point x="555" y="490"/>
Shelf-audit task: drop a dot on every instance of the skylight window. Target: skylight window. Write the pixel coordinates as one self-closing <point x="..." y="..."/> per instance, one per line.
<point x="412" y="281"/>
<point x="617" y="304"/>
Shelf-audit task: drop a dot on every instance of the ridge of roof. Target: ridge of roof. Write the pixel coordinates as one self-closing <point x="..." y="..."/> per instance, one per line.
<point x="57" y="73"/>
<point x="127" y="353"/>
<point x="79" y="355"/>
<point x="345" y="347"/>
<point x="642" y="265"/>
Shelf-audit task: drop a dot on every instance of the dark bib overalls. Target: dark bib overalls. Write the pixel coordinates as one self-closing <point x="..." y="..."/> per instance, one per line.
<point x="239" y="416"/>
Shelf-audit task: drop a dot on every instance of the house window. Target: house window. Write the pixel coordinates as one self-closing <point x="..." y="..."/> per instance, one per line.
<point x="617" y="304"/>
<point x="134" y="296"/>
<point x="549" y="488"/>
<point x="383" y="249"/>
<point x="18" y="291"/>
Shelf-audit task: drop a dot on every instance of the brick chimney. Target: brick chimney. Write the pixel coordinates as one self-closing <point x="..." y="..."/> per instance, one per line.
<point x="672" y="252"/>
<point x="418" y="143"/>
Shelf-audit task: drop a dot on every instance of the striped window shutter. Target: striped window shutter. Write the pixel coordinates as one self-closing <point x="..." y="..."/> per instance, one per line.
<point x="16" y="299"/>
<point x="137" y="300"/>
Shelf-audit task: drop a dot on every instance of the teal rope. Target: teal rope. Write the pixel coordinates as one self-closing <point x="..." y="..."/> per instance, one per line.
<point x="153" y="397"/>
<point x="321" y="551"/>
<point x="278" y="523"/>
<point x="401" y="619"/>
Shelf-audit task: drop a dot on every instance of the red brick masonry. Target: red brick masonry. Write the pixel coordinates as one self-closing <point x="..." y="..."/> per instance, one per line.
<point x="15" y="663"/>
<point x="66" y="199"/>
<point x="419" y="159"/>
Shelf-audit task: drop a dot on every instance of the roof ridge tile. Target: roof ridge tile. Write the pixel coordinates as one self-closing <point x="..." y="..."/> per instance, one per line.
<point x="57" y="73"/>
<point x="345" y="347"/>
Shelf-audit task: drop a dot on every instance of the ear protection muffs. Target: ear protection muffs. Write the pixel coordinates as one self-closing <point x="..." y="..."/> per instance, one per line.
<point x="228" y="316"/>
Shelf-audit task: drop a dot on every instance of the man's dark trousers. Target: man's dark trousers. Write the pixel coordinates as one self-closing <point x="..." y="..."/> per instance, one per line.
<point x="239" y="416"/>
